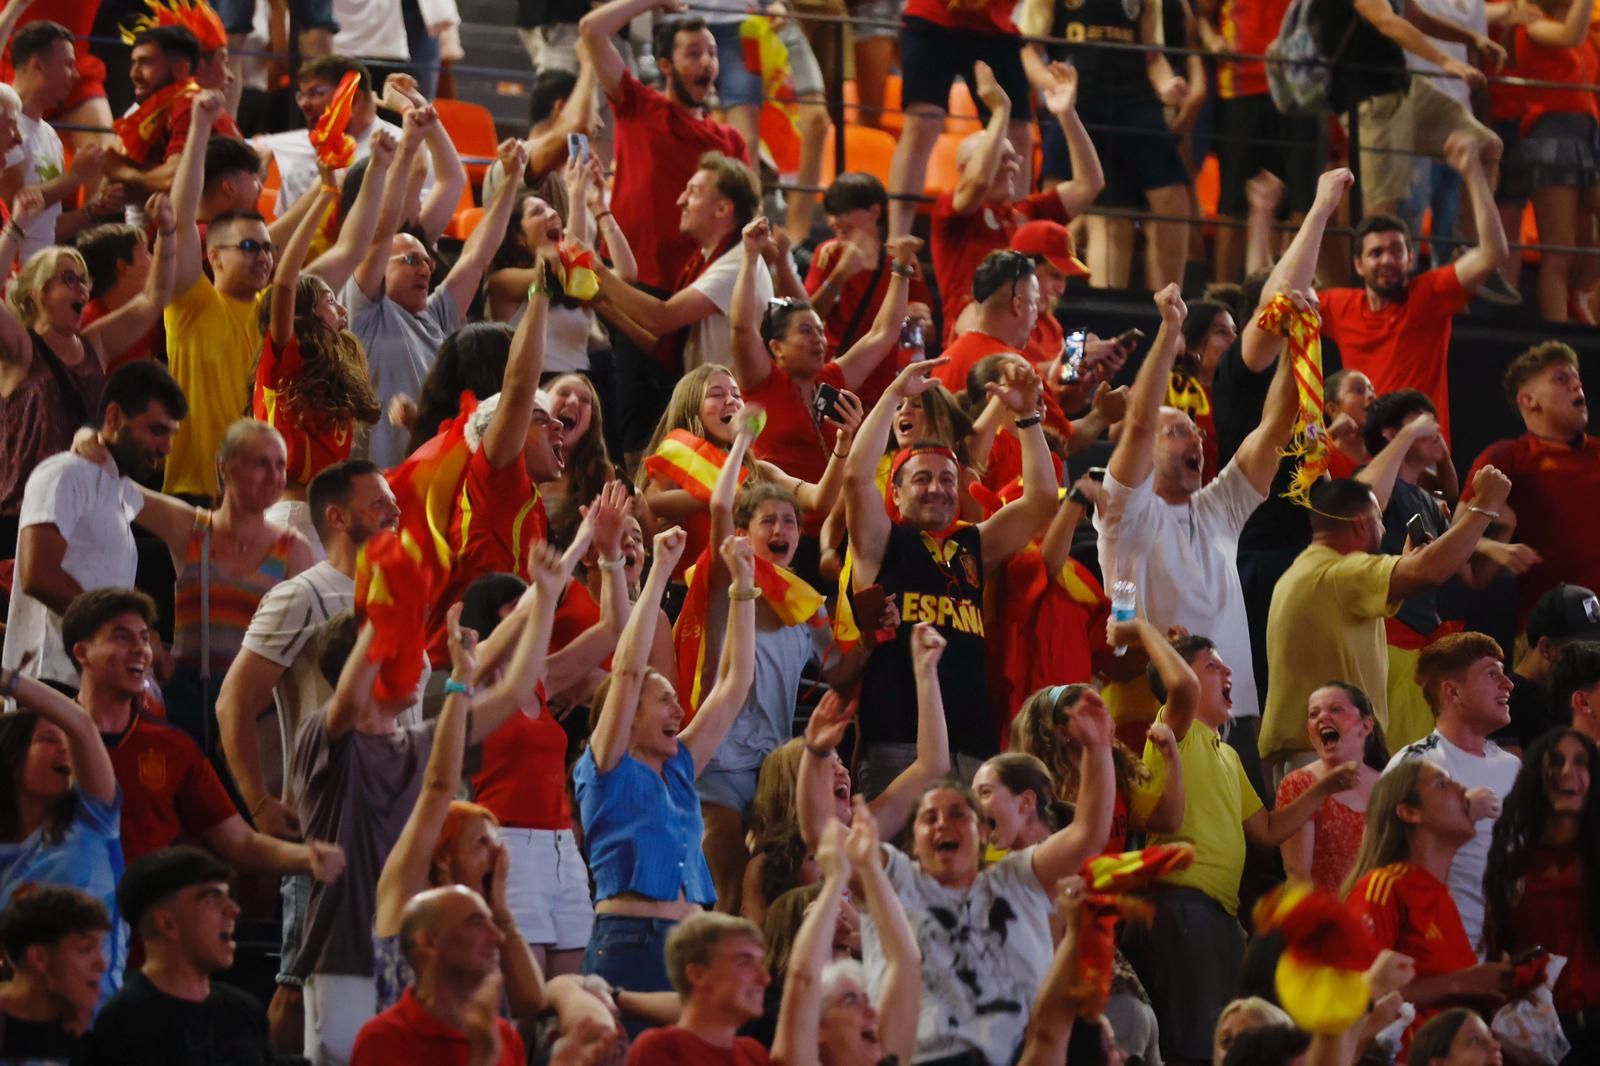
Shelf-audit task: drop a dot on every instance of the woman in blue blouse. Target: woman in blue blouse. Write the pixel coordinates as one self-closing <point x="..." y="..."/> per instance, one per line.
<point x="60" y="808"/>
<point x="635" y="783"/>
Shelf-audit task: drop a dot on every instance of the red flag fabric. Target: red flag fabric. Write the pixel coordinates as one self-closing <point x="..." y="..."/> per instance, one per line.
<point x="393" y="590"/>
<point x="336" y="148"/>
<point x="1322" y="976"/>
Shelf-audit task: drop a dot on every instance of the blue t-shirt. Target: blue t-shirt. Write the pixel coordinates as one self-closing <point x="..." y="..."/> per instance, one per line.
<point x="88" y="858"/>
<point x="644" y="829"/>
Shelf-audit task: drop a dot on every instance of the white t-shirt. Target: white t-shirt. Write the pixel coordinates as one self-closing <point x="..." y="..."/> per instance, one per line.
<point x="91" y="505"/>
<point x="1183" y="558"/>
<point x="711" y="338"/>
<point x="42" y="160"/>
<point x="280" y="632"/>
<point x="1469" y="15"/>
<point x="371" y="29"/>
<point x="566" y="337"/>
<point x="1495" y="770"/>
<point x="297" y="160"/>
<point x="985" y="951"/>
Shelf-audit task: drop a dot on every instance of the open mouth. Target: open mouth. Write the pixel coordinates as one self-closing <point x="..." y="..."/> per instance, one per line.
<point x="568" y="422"/>
<point x="841" y="791"/>
<point x="777" y="547"/>
<point x="1193" y="462"/>
<point x="1227" y="693"/>
<point x="62" y="768"/>
<point x="1329" y="736"/>
<point x="905" y="427"/>
<point x="947" y="848"/>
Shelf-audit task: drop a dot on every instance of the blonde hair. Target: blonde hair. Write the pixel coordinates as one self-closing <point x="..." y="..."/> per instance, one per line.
<point x="772" y="811"/>
<point x="694" y="940"/>
<point x="1387" y="839"/>
<point x="683" y="412"/>
<point x="240" y="432"/>
<point x="35" y="274"/>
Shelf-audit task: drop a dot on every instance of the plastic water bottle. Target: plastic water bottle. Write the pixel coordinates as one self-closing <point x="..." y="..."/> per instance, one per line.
<point x="912" y="347"/>
<point x="1124" y="604"/>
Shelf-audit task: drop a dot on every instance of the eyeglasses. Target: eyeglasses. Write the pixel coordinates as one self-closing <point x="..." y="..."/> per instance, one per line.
<point x="1180" y="430"/>
<point x="415" y="259"/>
<point x="251" y="246"/>
<point x="72" y="279"/>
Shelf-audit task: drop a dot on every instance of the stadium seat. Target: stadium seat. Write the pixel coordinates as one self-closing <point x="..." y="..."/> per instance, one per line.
<point x="942" y="170"/>
<point x="471" y="127"/>
<point x="962" y="116"/>
<point x="865" y="149"/>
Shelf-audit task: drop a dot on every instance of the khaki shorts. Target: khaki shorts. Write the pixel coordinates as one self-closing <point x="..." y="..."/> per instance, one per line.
<point x="1398" y="126"/>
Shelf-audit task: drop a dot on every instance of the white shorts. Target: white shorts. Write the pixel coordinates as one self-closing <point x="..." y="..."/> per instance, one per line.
<point x="548" y="887"/>
<point x="336" y="1006"/>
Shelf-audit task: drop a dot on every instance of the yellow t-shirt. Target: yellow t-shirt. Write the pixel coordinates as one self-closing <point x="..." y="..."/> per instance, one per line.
<point x="1218" y="797"/>
<point x="212" y="342"/>
<point x="1325" y="624"/>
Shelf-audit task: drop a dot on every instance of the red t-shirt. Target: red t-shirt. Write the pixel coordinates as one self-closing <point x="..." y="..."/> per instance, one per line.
<point x="679" y="1047"/>
<point x="658" y="148"/>
<point x="178" y="120"/>
<point x="1409" y="910"/>
<point x="1405" y="345"/>
<point x="311" y="450"/>
<point x="143" y="348"/>
<point x="1555" y="492"/>
<point x="1341" y="465"/>
<point x="1045" y="342"/>
<point x="1552" y="914"/>
<point x="855" y="292"/>
<point x="960" y="242"/>
<point x="406" y="1032"/>
<point x="994" y="17"/>
<point x="523" y="779"/>
<point x="1248" y="26"/>
<point x="966" y="352"/>
<point x="169" y="790"/>
<point x="792" y="441"/>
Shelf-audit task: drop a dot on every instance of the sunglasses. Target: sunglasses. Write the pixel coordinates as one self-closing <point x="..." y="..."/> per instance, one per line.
<point x="251" y="246"/>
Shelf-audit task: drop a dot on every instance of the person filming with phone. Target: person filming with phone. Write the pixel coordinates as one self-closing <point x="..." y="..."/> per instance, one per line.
<point x="934" y="568"/>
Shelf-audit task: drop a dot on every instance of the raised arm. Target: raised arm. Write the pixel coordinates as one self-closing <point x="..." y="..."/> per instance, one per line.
<point x="208" y="106"/>
<point x="1433" y="564"/>
<point x="752" y="364"/>
<point x="1066" y="850"/>
<point x="582" y="655"/>
<point x="1269" y="829"/>
<point x="1059" y="1005"/>
<point x="546" y="150"/>
<point x="1134" y="457"/>
<point x="405" y="871"/>
<point x="795" y="1041"/>
<point x="893" y="808"/>
<point x="357" y="233"/>
<point x="1475" y="267"/>
<point x="1014" y="526"/>
<point x="814" y="802"/>
<point x="291" y="263"/>
<point x="1088" y="178"/>
<point x="1380" y="474"/>
<point x="1296" y="270"/>
<point x="133" y="321"/>
<point x="91" y="763"/>
<point x="599" y="28"/>
<point x="1183" y="688"/>
<point x="984" y="162"/>
<point x="738" y="664"/>
<point x="867" y="353"/>
<point x="507" y="435"/>
<point x="623" y="261"/>
<point x="354" y="689"/>
<point x="900" y="996"/>
<point x="449" y="182"/>
<point x="463" y="280"/>
<point x="819" y="497"/>
<point x="369" y="271"/>
<point x="1258" y="453"/>
<point x="609" y="741"/>
<point x="866" y="522"/>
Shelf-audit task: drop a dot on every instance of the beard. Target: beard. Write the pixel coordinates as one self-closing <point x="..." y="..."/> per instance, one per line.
<point x="136" y="462"/>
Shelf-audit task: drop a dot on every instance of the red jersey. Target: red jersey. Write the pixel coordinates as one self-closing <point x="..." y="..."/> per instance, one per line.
<point x="1405" y="345"/>
<point x="679" y="1047"/>
<point x="169" y="790"/>
<point x="960" y="242"/>
<point x="1555" y="492"/>
<point x="793" y="441"/>
<point x="658" y="148"/>
<point x="1409" y="910"/>
<point x="1248" y="26"/>
<point x="1552" y="914"/>
<point x="1572" y="66"/>
<point x="406" y="1032"/>
<point x="993" y="17"/>
<point x="966" y="352"/>
<point x="858" y="302"/>
<point x="312" y="449"/>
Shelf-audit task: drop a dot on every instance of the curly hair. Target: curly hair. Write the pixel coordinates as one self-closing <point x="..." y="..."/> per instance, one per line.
<point x="1036" y="731"/>
<point x="472" y="359"/>
<point x="1519" y="832"/>
<point x="333" y="387"/>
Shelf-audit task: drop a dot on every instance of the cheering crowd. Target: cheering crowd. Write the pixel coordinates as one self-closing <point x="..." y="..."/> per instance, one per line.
<point x="618" y="628"/>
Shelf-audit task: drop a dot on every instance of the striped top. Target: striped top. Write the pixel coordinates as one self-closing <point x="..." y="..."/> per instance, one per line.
<point x="233" y="600"/>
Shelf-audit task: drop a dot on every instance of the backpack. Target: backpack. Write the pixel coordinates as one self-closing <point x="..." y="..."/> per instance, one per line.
<point x="1299" y="69"/>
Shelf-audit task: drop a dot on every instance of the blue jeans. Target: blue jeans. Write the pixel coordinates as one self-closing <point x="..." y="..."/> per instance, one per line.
<point x="630" y="953"/>
<point x="1435" y="185"/>
<point x="424" y="49"/>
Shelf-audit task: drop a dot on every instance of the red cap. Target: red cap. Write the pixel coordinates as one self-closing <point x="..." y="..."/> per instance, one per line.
<point x="1052" y="242"/>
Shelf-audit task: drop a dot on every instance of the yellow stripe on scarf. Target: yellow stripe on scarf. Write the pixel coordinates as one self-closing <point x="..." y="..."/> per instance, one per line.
<point x="1302" y="328"/>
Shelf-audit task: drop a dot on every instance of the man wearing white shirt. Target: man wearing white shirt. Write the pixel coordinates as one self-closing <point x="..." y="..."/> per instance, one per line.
<point x="722" y="197"/>
<point x="1465" y="683"/>
<point x="75" y="514"/>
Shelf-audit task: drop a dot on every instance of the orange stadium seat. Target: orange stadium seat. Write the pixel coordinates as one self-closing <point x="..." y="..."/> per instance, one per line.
<point x="963" y="111"/>
<point x="865" y="149"/>
<point x="471" y="127"/>
<point x="942" y="170"/>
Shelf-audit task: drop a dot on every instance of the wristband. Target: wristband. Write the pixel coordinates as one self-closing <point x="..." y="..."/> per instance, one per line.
<point x="613" y="564"/>
<point x="741" y="595"/>
<point x="331" y="190"/>
<point x="537" y="290"/>
<point x="903" y="270"/>
<point x="167" y="232"/>
<point x="453" y="685"/>
<point x="602" y="214"/>
<point x="1028" y="422"/>
<point x="10" y="684"/>
<point x="1491" y="515"/>
<point x="1076" y="495"/>
<point x="820" y="753"/>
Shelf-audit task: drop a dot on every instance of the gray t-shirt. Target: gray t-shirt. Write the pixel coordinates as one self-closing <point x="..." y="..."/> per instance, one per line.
<point x="401" y="350"/>
<point x="356" y="791"/>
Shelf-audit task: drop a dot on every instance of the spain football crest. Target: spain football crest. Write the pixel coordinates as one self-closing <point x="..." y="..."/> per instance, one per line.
<point x="153" y="770"/>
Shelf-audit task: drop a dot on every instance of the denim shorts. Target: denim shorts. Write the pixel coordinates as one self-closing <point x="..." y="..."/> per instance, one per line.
<point x="238" y="15"/>
<point x="735" y="789"/>
<point x="737" y="85"/>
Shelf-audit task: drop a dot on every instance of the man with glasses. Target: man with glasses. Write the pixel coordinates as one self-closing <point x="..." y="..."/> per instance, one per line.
<point x="213" y="330"/>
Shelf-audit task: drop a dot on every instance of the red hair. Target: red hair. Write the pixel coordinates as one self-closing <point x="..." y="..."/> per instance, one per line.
<point x="455" y="821"/>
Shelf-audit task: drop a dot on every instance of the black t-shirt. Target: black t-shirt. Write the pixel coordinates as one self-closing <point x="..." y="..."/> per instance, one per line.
<point x="36" y="1042"/>
<point x="1366" y="63"/>
<point x="1531" y="714"/>
<point x="1421" y="611"/>
<point x="941" y="584"/>
<point x="1103" y="72"/>
<point x="143" y="1026"/>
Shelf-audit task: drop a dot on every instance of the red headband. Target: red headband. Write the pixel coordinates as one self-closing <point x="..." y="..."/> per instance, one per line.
<point x="905" y="455"/>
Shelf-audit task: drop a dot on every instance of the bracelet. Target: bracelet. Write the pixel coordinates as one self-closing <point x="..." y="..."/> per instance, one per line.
<point x="602" y="214"/>
<point x="537" y="290"/>
<point x="10" y="684"/>
<point x="167" y="232"/>
<point x="1028" y="422"/>
<point x="331" y="190"/>
<point x="742" y="595"/>
<point x="453" y="685"/>
<point x="846" y="455"/>
<point x="1483" y="511"/>
<point x="618" y="563"/>
<point x="904" y="270"/>
<point x="820" y="753"/>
